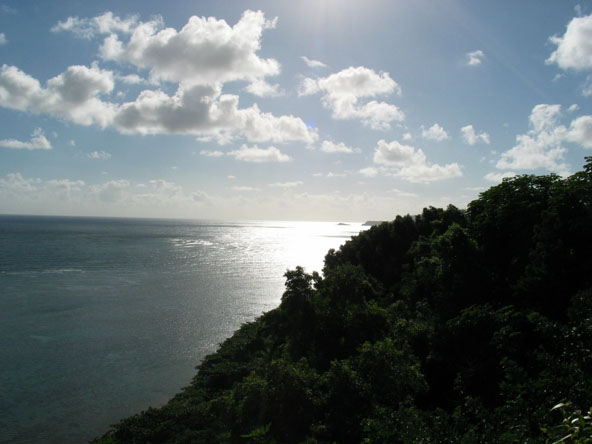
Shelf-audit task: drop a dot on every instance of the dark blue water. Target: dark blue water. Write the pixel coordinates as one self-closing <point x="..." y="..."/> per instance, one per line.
<point x="101" y="318"/>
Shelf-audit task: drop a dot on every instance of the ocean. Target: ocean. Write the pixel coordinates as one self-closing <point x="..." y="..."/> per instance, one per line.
<point x="101" y="318"/>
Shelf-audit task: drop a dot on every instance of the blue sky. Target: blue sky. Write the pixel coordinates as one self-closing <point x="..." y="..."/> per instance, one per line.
<point x="335" y="110"/>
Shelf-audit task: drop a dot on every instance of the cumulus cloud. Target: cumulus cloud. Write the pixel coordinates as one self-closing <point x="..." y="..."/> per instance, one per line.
<point x="200" y="110"/>
<point x="574" y="50"/>
<point x="111" y="191"/>
<point x="475" y="58"/>
<point x="499" y="176"/>
<point x="101" y="155"/>
<point x="435" y="132"/>
<point x="411" y="163"/>
<point x="542" y="146"/>
<point x="15" y="183"/>
<point x="342" y="92"/>
<point x="259" y="155"/>
<point x="3" y="40"/>
<point x="64" y="189"/>
<point x="313" y="63"/>
<point x="203" y="110"/>
<point x="72" y="95"/>
<point x="369" y="172"/>
<point x="261" y="88"/>
<point x="88" y="28"/>
<point x="332" y="148"/>
<point x="204" y="51"/>
<point x="200" y="58"/>
<point x="471" y="137"/>
<point x="201" y="197"/>
<point x="580" y="131"/>
<point x="132" y="79"/>
<point x="38" y="141"/>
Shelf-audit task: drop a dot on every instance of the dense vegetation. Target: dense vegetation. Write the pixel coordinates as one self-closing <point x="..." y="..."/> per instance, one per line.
<point x="451" y="326"/>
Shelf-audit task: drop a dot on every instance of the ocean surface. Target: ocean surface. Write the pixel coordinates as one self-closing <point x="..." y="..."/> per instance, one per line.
<point x="101" y="318"/>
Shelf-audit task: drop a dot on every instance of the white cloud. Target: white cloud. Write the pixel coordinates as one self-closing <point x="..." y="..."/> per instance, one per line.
<point x="114" y="197"/>
<point x="313" y="63"/>
<point x="72" y="95"/>
<point x="498" y="176"/>
<point x="204" y="51"/>
<point x="201" y="197"/>
<point x="544" y="117"/>
<point x="200" y="110"/>
<point x="407" y="136"/>
<point x="102" y="155"/>
<point x="332" y="148"/>
<point x="573" y="108"/>
<point x="211" y="153"/>
<point x="411" y="164"/>
<point x="103" y="24"/>
<point x="342" y="92"/>
<point x="111" y="191"/>
<point x="132" y="79"/>
<point x="243" y="188"/>
<point x="200" y="57"/>
<point x="580" y="131"/>
<point x="471" y="137"/>
<point x="286" y="184"/>
<point x="435" y="132"/>
<point x="261" y="88"/>
<point x="574" y="50"/>
<point x="16" y="184"/>
<point x="3" y="40"/>
<point x="542" y="145"/>
<point x="403" y="194"/>
<point x="64" y="189"/>
<point x="536" y="150"/>
<point x="475" y="58"/>
<point x="38" y="141"/>
<point x="332" y="175"/>
<point x="259" y="155"/>
<point x="369" y="172"/>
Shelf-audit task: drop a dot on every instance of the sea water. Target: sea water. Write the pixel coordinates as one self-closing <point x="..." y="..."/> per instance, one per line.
<point x="102" y="318"/>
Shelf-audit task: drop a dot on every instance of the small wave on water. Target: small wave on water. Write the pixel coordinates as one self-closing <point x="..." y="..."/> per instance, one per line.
<point x="188" y="243"/>
<point x="33" y="273"/>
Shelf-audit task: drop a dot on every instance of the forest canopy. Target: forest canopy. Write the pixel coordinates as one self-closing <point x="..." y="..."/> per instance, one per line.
<point x="454" y="325"/>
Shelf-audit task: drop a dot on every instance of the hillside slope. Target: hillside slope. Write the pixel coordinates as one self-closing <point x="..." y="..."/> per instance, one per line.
<point x="450" y="326"/>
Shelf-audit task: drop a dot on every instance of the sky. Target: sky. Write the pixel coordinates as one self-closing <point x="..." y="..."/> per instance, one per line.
<point x="327" y="110"/>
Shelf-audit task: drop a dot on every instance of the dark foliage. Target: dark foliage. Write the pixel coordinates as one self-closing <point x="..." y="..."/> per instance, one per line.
<point x="450" y="326"/>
